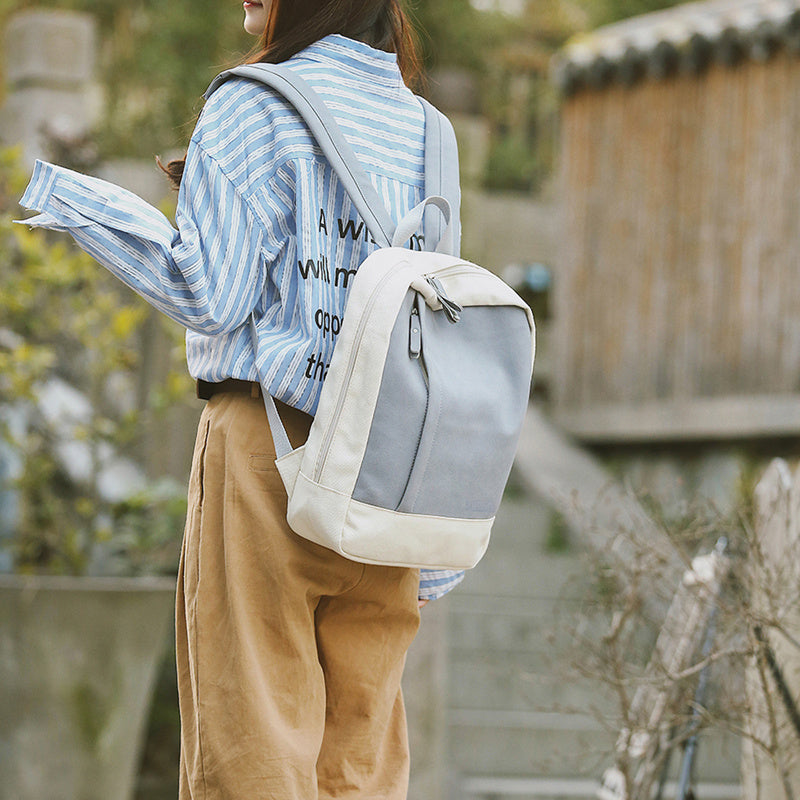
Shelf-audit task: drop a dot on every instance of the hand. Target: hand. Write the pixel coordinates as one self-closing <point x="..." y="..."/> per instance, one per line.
<point x="423" y="603"/>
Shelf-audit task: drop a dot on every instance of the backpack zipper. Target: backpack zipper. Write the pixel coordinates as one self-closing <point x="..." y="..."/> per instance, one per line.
<point x="452" y="310"/>
<point x="414" y="333"/>
<point x="415" y="350"/>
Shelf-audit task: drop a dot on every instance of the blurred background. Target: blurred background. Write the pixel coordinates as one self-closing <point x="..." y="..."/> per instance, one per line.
<point x="631" y="167"/>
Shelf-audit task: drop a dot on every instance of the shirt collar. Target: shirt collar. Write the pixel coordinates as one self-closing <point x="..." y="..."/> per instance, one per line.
<point x="335" y="47"/>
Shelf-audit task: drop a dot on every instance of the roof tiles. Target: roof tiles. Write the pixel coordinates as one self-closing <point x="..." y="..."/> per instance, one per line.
<point x="684" y="38"/>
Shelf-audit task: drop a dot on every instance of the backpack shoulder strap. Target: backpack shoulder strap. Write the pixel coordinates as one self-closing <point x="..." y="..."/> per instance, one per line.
<point x="329" y="137"/>
<point x="441" y="152"/>
<point x="441" y="174"/>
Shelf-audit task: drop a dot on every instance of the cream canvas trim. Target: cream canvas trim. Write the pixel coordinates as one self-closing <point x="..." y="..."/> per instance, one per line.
<point x="374" y="535"/>
<point x="448" y="543"/>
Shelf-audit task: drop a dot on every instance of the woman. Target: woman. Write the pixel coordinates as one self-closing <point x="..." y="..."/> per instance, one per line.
<point x="289" y="656"/>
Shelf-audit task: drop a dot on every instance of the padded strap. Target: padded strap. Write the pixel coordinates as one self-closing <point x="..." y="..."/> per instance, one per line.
<point x="441" y="178"/>
<point x="441" y="154"/>
<point x="328" y="136"/>
<point x="340" y="154"/>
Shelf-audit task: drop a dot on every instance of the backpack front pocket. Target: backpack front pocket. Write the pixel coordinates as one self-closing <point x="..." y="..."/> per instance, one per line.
<point x="452" y="398"/>
<point x="477" y="397"/>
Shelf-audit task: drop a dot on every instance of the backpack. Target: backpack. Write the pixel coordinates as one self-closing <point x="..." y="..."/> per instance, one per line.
<point x="421" y="410"/>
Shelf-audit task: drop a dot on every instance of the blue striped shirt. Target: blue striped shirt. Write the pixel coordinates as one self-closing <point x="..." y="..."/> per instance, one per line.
<point x="263" y="223"/>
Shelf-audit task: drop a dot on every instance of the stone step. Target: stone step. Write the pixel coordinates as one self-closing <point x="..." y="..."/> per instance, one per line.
<point x="478" y="787"/>
<point x="552" y="745"/>
<point x="518" y="562"/>
<point x="525" y="575"/>
<point x="544" y="751"/>
<point x="543" y="629"/>
<point x="525" y="681"/>
<point x="521" y="522"/>
<point x="463" y="601"/>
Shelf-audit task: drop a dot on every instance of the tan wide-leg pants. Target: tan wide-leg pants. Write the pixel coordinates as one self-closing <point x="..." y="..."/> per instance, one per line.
<point x="289" y="657"/>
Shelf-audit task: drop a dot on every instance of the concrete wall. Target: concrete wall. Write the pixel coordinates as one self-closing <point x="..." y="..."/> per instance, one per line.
<point x="48" y="60"/>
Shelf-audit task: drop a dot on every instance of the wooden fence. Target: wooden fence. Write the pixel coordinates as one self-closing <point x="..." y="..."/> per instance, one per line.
<point x="677" y="275"/>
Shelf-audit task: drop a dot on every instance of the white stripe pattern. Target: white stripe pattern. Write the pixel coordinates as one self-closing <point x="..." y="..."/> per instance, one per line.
<point x="263" y="223"/>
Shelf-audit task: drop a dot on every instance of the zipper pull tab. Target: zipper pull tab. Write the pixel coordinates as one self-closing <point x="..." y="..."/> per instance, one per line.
<point x="451" y="309"/>
<point x="414" y="334"/>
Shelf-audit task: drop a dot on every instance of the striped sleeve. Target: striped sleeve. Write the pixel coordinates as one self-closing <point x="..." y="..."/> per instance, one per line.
<point x="206" y="275"/>
<point x="435" y="583"/>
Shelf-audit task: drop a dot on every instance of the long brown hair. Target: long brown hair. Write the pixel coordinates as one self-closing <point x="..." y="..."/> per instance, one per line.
<point x="293" y="25"/>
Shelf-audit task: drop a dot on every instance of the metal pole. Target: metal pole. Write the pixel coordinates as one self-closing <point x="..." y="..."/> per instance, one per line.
<point x="691" y="743"/>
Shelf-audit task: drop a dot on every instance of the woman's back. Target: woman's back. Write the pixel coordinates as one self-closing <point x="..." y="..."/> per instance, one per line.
<point x="313" y="240"/>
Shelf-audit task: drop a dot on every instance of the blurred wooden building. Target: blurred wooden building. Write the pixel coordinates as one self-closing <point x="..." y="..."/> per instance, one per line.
<point x="678" y="285"/>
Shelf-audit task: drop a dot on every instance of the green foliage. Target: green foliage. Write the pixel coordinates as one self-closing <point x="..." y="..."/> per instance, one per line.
<point x="160" y="59"/>
<point x="63" y="317"/>
<point x="557" y="540"/>
<point x="91" y="714"/>
<point x="143" y="530"/>
<point x="512" y="165"/>
<point x="454" y="34"/>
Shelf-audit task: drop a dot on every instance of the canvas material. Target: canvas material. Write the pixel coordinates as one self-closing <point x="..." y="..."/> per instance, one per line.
<point x="444" y="429"/>
<point x="374" y="535"/>
<point x="322" y="505"/>
<point x="479" y="378"/>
